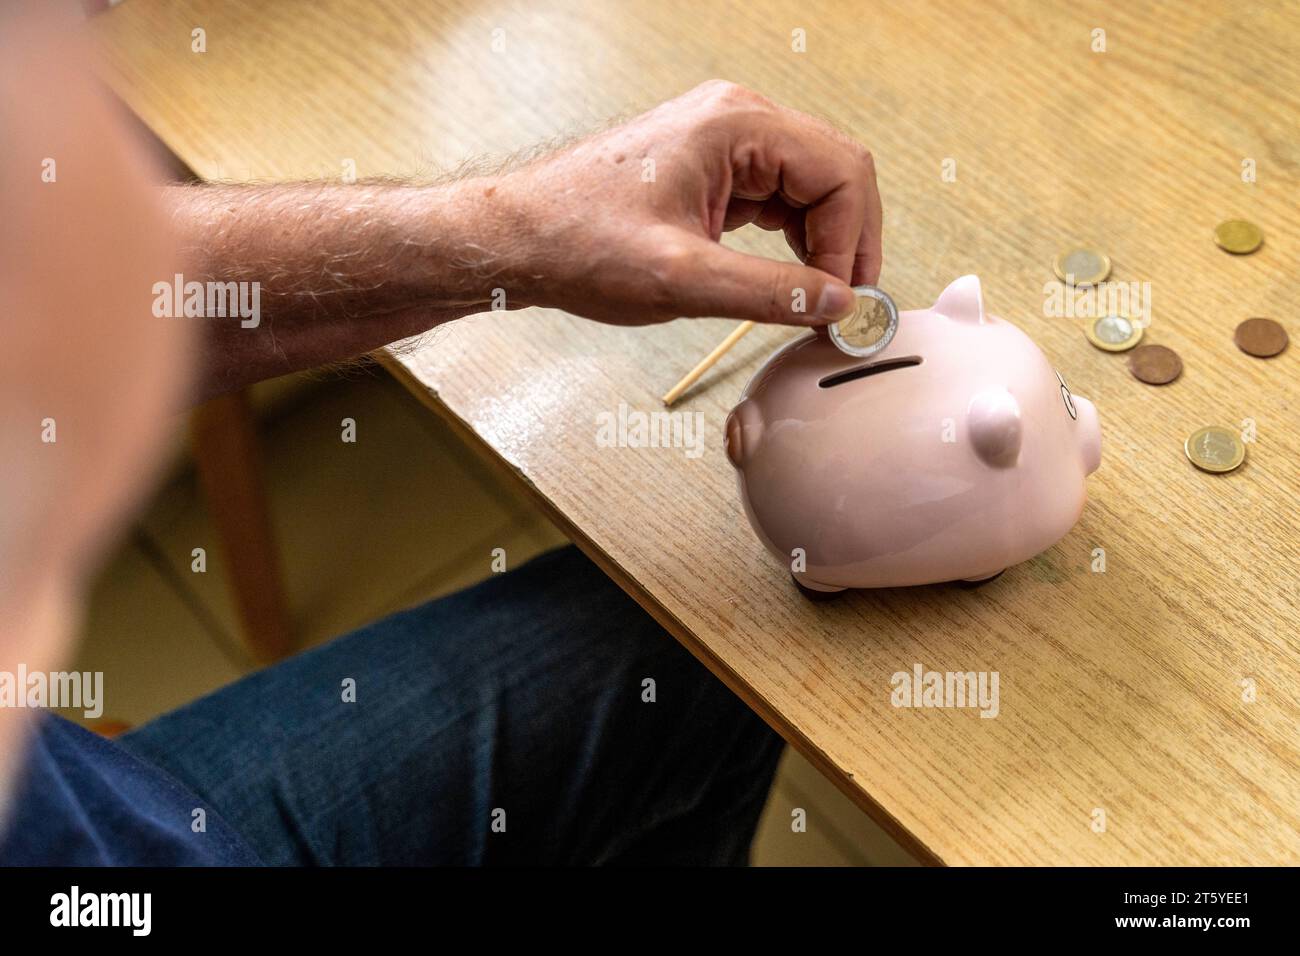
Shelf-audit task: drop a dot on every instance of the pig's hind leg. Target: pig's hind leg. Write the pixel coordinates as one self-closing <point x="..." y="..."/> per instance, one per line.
<point x="814" y="591"/>
<point x="977" y="582"/>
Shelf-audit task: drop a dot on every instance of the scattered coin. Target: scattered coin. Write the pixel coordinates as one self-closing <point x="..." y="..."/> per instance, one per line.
<point x="1215" y="449"/>
<point x="869" y="329"/>
<point x="1081" y="266"/>
<point x="1155" y="364"/>
<point x="1113" y="333"/>
<point x="1262" y="338"/>
<point x="1238" y="236"/>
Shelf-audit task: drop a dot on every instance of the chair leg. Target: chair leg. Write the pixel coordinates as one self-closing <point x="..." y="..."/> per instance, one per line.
<point x="229" y="465"/>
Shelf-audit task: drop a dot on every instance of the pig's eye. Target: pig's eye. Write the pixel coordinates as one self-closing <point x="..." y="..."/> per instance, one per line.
<point x="1067" y="397"/>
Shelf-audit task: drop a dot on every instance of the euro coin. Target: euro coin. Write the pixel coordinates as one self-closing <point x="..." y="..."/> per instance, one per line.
<point x="1262" y="338"/>
<point x="1215" y="449"/>
<point x="1113" y="333"/>
<point x="1155" y="364"/>
<point x="1238" y="236"/>
<point x="872" y="325"/>
<point x="1081" y="266"/>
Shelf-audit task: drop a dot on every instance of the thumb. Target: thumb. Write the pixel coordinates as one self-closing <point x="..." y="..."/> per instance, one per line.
<point x="712" y="280"/>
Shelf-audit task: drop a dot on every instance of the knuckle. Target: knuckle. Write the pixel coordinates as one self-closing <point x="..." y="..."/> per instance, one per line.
<point x="781" y="297"/>
<point x="725" y="94"/>
<point x="669" y="271"/>
<point x="713" y="86"/>
<point x="868" y="162"/>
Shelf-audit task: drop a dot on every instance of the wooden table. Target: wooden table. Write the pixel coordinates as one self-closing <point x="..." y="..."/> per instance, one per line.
<point x="1121" y="691"/>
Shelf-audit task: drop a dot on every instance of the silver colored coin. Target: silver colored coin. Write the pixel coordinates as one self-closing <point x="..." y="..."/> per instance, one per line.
<point x="869" y="329"/>
<point x="1114" y="333"/>
<point x="1081" y="267"/>
<point x="1114" y="329"/>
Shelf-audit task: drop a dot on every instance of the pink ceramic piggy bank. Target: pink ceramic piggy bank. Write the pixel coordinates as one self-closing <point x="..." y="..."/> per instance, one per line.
<point x="952" y="454"/>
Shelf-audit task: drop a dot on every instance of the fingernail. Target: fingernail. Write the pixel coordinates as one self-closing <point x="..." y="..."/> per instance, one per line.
<point x="836" y="301"/>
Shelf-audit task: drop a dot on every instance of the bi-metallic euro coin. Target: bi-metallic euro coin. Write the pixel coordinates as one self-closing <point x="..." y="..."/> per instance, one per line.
<point x="871" y="327"/>
<point x="1215" y="449"/>
<point x="1113" y="333"/>
<point x="1081" y="267"/>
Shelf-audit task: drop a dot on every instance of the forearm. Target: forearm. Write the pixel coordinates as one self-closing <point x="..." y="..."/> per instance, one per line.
<point x="330" y="271"/>
<point x="621" y="227"/>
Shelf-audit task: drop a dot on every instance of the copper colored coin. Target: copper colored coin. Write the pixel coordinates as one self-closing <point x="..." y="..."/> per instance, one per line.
<point x="1262" y="338"/>
<point x="1155" y="364"/>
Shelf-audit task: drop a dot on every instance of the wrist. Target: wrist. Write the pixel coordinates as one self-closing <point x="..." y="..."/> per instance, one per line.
<point x="491" y="243"/>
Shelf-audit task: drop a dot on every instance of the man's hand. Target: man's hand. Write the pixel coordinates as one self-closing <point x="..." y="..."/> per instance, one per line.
<point x="623" y="227"/>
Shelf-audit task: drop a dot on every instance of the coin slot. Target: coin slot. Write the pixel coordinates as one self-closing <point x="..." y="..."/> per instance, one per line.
<point x="874" y="368"/>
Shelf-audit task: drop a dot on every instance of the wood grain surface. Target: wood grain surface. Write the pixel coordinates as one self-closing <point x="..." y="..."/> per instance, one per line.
<point x="1124" y="692"/>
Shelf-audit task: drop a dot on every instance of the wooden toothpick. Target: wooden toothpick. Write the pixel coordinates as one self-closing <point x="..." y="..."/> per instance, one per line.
<point x="707" y="362"/>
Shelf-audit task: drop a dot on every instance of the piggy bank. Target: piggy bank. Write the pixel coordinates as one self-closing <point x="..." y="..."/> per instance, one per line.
<point x="950" y="455"/>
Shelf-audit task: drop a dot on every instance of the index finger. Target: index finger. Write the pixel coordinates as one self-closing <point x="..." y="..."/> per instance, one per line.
<point x="870" y="254"/>
<point x="814" y="166"/>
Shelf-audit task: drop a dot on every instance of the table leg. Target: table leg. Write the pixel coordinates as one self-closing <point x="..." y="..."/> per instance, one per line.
<point x="228" y="462"/>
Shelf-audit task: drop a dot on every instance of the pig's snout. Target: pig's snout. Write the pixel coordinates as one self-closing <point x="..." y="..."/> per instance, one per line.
<point x="1089" y="433"/>
<point x="742" y="432"/>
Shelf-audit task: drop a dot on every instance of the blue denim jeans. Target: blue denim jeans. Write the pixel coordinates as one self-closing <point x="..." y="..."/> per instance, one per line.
<point x="512" y="723"/>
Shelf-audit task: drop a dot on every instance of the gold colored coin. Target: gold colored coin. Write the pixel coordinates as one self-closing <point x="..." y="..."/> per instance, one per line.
<point x="871" y="327"/>
<point x="1215" y="449"/>
<point x="1238" y="236"/>
<point x="1113" y="333"/>
<point x="1079" y="267"/>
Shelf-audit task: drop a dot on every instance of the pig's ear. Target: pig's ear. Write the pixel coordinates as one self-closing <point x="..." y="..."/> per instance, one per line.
<point x="963" y="301"/>
<point x="993" y="419"/>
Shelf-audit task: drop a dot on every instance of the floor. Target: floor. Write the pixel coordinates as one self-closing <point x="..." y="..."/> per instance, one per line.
<point x="404" y="514"/>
